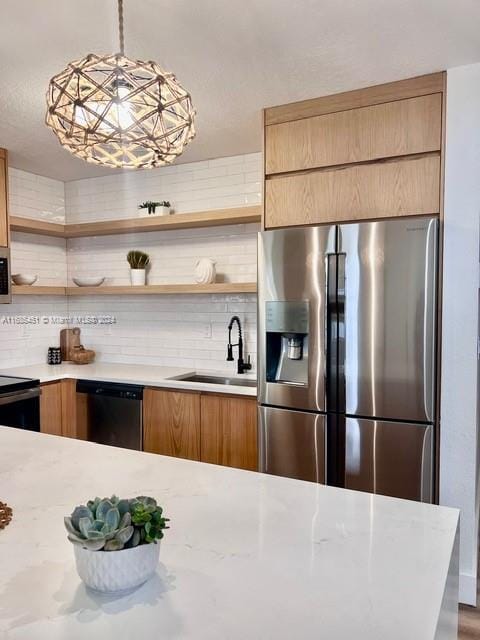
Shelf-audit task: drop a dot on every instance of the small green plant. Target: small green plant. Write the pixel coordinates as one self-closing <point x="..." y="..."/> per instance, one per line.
<point x="151" y="206"/>
<point x="138" y="259"/>
<point x="112" y="524"/>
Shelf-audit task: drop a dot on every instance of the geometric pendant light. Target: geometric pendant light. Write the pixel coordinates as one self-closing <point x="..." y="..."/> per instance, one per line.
<point x="118" y="112"/>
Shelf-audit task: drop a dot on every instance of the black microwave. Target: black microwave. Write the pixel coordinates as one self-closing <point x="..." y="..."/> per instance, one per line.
<point x="5" y="289"/>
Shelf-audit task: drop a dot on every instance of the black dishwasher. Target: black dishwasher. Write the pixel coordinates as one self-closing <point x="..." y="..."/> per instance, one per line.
<point x="113" y="413"/>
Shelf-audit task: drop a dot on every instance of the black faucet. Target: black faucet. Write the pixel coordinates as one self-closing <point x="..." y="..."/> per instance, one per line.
<point x="241" y="365"/>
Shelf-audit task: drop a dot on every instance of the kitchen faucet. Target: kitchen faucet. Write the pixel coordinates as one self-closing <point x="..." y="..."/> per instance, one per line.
<point x="241" y="365"/>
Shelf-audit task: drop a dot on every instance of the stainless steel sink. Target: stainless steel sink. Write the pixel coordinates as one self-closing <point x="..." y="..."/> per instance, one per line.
<point x="240" y="382"/>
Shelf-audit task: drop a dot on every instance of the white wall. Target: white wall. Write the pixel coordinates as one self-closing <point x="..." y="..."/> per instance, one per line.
<point x="459" y="420"/>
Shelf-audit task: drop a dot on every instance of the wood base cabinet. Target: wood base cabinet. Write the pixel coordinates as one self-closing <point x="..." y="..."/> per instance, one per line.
<point x="229" y="431"/>
<point x="219" y="429"/>
<point x="62" y="412"/>
<point x="51" y="408"/>
<point x="171" y="423"/>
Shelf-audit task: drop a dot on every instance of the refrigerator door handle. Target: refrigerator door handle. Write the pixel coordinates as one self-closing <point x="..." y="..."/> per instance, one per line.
<point x="341" y="335"/>
<point x="335" y="329"/>
<point x="429" y="337"/>
<point x="331" y="329"/>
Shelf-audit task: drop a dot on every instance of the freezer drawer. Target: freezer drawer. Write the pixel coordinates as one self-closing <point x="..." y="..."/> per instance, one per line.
<point x="390" y="458"/>
<point x="292" y="444"/>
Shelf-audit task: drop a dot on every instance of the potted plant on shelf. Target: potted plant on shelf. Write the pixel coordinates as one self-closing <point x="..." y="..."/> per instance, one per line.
<point x="138" y="261"/>
<point x="115" y="541"/>
<point x="164" y="208"/>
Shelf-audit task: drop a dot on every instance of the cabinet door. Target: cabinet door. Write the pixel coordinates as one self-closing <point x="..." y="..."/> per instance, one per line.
<point x="370" y="133"/>
<point x="229" y="431"/>
<point x="3" y="199"/>
<point x="61" y="410"/>
<point x="51" y="408"/>
<point x="360" y="192"/>
<point x="73" y="423"/>
<point x="171" y="423"/>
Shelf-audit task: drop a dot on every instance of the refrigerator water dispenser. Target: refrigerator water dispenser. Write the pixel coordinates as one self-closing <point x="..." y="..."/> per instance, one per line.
<point x="287" y="342"/>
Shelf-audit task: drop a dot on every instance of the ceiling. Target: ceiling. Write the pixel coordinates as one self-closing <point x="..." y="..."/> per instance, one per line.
<point x="234" y="56"/>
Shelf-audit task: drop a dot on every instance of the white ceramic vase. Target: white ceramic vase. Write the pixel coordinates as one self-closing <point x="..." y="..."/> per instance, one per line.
<point x="117" y="571"/>
<point x="138" y="277"/>
<point x="205" y="272"/>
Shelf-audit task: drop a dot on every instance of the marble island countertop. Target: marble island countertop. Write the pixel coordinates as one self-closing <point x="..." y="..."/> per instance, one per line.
<point x="248" y="556"/>
<point x="146" y="375"/>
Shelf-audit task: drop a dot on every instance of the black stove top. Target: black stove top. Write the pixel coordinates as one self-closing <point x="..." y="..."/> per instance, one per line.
<point x="9" y="384"/>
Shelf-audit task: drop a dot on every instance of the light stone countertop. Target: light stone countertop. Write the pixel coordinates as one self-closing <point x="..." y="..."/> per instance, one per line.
<point x="248" y="556"/>
<point x="146" y="375"/>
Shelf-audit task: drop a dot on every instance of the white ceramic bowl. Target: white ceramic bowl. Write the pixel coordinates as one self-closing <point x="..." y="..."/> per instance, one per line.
<point x="89" y="282"/>
<point x="24" y="278"/>
<point x="117" y="571"/>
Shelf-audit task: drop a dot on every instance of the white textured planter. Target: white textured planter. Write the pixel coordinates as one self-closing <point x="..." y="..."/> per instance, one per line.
<point x="159" y="211"/>
<point x="117" y="571"/>
<point x="138" y="277"/>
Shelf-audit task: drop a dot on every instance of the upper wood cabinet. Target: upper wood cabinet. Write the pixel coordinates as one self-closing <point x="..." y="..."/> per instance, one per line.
<point x="4" y="230"/>
<point x="171" y="423"/>
<point x="361" y="155"/>
<point x="229" y="431"/>
<point x="386" y="130"/>
<point x="378" y="190"/>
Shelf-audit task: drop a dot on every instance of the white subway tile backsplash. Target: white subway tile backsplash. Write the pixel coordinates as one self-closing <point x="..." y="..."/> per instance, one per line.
<point x="184" y="331"/>
<point x="168" y="330"/>
<point x="223" y="182"/>
<point x="40" y="255"/>
<point x="24" y="344"/>
<point x="33" y="196"/>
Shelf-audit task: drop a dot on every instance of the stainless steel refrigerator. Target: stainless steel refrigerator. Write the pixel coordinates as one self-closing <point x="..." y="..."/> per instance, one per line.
<point x="347" y="319"/>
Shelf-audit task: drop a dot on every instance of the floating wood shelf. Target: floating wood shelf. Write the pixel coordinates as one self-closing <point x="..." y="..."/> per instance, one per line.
<point x="38" y="290"/>
<point x="158" y="289"/>
<point x="216" y="217"/>
<point x="39" y="227"/>
<point x="219" y="217"/>
<point x="153" y="289"/>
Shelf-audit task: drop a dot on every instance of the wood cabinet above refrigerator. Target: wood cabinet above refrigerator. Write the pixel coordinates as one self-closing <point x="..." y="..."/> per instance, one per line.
<point x="4" y="231"/>
<point x="361" y="155"/>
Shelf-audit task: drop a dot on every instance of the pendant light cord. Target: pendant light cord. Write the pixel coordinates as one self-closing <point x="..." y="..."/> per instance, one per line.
<point x="120" y="27"/>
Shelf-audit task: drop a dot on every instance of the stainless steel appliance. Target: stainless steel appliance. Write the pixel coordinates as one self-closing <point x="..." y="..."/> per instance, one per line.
<point x="347" y="355"/>
<point x="5" y="288"/>
<point x="114" y="413"/>
<point x="20" y="403"/>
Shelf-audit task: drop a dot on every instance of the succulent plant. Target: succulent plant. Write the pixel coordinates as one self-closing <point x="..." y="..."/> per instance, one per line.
<point x="148" y="518"/>
<point x="151" y="206"/>
<point x="138" y="259"/>
<point x="112" y="524"/>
